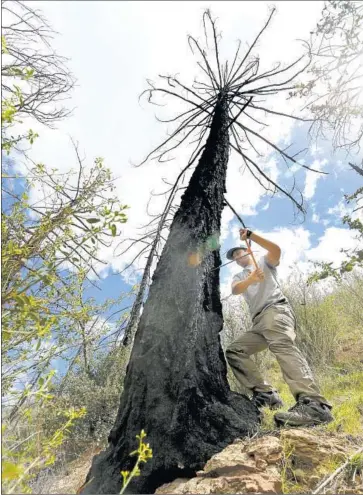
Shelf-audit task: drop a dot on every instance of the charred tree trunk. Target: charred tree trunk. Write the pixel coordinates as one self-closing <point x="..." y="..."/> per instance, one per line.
<point x="176" y="386"/>
<point x="359" y="170"/>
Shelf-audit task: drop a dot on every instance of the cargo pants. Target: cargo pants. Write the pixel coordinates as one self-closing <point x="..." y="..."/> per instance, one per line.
<point x="274" y="329"/>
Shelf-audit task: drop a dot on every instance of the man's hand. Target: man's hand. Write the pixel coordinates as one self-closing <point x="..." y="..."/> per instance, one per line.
<point x="243" y="234"/>
<point x="257" y="276"/>
<point x="274" y="251"/>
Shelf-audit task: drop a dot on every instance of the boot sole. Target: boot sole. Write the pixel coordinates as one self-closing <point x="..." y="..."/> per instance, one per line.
<point x="290" y="422"/>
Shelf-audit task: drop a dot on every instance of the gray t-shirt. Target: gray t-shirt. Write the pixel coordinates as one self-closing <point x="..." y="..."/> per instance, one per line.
<point x="260" y="295"/>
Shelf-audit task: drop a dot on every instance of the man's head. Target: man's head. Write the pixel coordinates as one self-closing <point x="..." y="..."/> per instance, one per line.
<point x="240" y="256"/>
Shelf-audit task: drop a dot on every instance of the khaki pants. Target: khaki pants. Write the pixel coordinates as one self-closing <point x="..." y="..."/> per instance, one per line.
<point x="274" y="329"/>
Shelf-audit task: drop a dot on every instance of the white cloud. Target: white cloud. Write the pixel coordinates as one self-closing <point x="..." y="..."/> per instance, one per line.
<point x="293" y="242"/>
<point x="340" y="210"/>
<point x="316" y="150"/>
<point x="330" y="244"/>
<point x="312" y="178"/>
<point x="315" y="218"/>
<point x="296" y="166"/>
<point x="298" y="255"/>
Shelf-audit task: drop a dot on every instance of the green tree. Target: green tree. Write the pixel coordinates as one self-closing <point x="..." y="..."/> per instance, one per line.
<point x="54" y="225"/>
<point x="354" y="256"/>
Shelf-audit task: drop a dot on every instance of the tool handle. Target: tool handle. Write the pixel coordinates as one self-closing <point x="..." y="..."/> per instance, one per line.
<point x="251" y="253"/>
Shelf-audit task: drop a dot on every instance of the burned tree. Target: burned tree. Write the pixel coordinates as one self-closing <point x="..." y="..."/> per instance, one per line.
<point x="152" y="241"/>
<point x="176" y="386"/>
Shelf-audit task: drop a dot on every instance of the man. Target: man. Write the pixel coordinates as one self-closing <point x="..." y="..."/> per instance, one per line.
<point x="273" y="328"/>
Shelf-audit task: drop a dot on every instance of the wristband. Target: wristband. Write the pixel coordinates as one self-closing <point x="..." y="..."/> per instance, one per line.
<point x="249" y="233"/>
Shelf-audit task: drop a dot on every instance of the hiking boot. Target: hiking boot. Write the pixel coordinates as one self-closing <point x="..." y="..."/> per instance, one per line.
<point x="306" y="412"/>
<point x="270" y="399"/>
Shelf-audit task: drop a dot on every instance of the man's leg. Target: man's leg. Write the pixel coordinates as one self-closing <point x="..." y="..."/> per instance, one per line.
<point x="238" y="356"/>
<point x="277" y="325"/>
<point x="278" y="328"/>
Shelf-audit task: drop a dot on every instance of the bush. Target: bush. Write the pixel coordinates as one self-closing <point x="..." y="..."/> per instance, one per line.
<point x="98" y="391"/>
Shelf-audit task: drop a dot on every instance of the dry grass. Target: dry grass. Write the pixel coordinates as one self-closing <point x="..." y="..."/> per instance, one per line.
<point x="68" y="478"/>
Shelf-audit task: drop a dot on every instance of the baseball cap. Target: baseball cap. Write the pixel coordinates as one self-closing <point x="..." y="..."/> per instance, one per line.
<point x="232" y="250"/>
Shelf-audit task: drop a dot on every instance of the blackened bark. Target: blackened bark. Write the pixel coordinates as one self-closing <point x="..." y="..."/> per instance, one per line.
<point x="359" y="170"/>
<point x="176" y="386"/>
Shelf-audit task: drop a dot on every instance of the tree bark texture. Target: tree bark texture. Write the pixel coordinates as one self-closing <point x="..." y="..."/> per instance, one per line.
<point x="176" y="385"/>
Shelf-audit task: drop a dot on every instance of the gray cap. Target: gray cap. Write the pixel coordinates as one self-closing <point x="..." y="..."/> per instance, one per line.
<point x="232" y="250"/>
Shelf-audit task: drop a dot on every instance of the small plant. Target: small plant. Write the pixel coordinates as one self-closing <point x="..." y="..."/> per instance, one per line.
<point x="286" y="467"/>
<point x="355" y="466"/>
<point x="144" y="452"/>
<point x="23" y="459"/>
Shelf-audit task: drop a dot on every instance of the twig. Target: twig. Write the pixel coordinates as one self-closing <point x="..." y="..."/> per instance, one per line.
<point x="336" y="472"/>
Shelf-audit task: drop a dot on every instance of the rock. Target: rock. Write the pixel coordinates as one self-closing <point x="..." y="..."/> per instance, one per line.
<point x="232" y="459"/>
<point x="265" y="451"/>
<point x="243" y="456"/>
<point x="254" y="466"/>
<point x="248" y="483"/>
<point x="311" y="448"/>
<point x="242" y="467"/>
<point x="173" y="487"/>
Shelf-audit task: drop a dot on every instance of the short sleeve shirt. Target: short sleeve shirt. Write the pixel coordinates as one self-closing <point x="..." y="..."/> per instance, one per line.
<point x="260" y="295"/>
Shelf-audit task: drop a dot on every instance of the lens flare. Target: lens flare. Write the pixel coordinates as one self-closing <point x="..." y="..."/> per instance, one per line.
<point x="210" y="244"/>
<point x="194" y="259"/>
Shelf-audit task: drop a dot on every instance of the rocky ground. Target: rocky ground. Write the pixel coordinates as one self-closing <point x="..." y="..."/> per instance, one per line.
<point x="281" y="461"/>
<point x="290" y="461"/>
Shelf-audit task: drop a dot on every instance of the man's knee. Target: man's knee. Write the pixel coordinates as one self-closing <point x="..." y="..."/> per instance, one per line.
<point x="229" y="352"/>
<point x="235" y="352"/>
<point x="282" y="346"/>
<point x="232" y="352"/>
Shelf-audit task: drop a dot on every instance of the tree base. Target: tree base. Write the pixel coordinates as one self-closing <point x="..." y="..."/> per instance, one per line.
<point x="176" y="454"/>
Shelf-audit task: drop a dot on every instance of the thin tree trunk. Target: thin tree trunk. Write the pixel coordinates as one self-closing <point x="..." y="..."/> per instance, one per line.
<point x="176" y="382"/>
<point x="136" y="307"/>
<point x="359" y="170"/>
<point x="84" y="349"/>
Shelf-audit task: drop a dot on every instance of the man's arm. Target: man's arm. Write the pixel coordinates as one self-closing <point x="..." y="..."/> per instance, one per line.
<point x="274" y="251"/>
<point x="238" y="287"/>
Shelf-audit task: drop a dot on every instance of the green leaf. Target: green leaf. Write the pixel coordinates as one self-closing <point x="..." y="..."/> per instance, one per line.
<point x="10" y="471"/>
<point x="113" y="230"/>
<point x="3" y="45"/>
<point x="29" y="73"/>
<point x="93" y="220"/>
